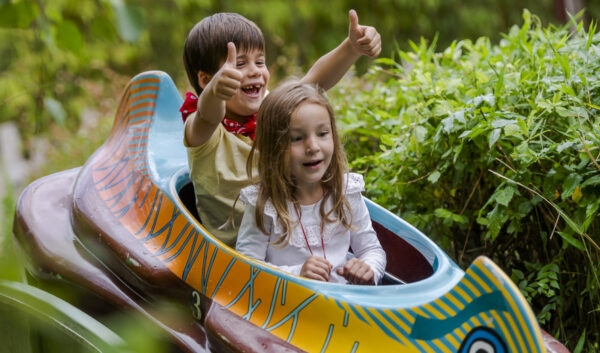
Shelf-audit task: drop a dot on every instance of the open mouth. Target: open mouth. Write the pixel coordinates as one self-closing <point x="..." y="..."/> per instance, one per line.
<point x="312" y="164"/>
<point x="252" y="90"/>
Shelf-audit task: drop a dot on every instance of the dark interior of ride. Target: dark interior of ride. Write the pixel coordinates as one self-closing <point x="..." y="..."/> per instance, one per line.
<point x="405" y="264"/>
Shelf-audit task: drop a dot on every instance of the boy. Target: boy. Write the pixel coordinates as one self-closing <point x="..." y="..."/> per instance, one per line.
<point x="224" y="59"/>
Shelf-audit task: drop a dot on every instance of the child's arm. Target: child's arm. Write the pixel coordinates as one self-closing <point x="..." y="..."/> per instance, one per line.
<point x="251" y="241"/>
<point x="211" y="103"/>
<point x="365" y="246"/>
<point x="331" y="67"/>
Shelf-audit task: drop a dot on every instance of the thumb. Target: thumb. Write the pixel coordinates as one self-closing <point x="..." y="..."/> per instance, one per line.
<point x="231" y="54"/>
<point x="353" y="20"/>
<point x="340" y="271"/>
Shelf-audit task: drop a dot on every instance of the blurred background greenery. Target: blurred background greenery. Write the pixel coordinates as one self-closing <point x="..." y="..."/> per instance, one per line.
<point x="60" y="57"/>
<point x="64" y="63"/>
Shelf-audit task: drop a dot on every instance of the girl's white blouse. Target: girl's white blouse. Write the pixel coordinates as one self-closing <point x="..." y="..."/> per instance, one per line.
<point x="337" y="240"/>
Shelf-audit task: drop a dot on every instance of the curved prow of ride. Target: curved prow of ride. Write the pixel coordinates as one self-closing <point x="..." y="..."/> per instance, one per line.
<point x="120" y="183"/>
<point x="484" y="310"/>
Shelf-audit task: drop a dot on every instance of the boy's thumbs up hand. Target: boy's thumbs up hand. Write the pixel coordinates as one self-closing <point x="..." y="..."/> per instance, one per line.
<point x="228" y="79"/>
<point x="365" y="40"/>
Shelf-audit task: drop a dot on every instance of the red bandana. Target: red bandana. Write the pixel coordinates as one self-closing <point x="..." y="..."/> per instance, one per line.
<point x="189" y="105"/>
<point x="248" y="128"/>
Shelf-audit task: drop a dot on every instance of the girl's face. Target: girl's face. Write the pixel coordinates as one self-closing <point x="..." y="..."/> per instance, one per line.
<point x="251" y="64"/>
<point x="311" y="144"/>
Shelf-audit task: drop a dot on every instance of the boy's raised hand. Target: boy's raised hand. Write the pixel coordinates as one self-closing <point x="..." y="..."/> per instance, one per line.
<point x="317" y="268"/>
<point x="228" y="79"/>
<point x="364" y="39"/>
<point x="357" y="272"/>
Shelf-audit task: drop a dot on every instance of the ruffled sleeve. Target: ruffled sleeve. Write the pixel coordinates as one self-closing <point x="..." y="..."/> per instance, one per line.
<point x="363" y="239"/>
<point x="249" y="195"/>
<point x="251" y="241"/>
<point x="354" y="183"/>
<point x="255" y="244"/>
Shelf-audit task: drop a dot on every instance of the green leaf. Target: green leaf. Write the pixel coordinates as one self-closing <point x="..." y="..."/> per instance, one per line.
<point x="433" y="178"/>
<point x="450" y="216"/>
<point x="478" y="101"/>
<point x="502" y="122"/>
<point x="590" y="34"/>
<point x="563" y="61"/>
<point x="571" y="240"/>
<point x="595" y="180"/>
<point x="103" y="28"/>
<point x="493" y="137"/>
<point x="481" y="77"/>
<point x="504" y="196"/>
<point x="568" y="90"/>
<point x="580" y="343"/>
<point x="130" y="20"/>
<point x="563" y="146"/>
<point x="572" y="182"/>
<point x="442" y="213"/>
<point x="18" y="15"/>
<point x="482" y="220"/>
<point x="387" y="140"/>
<point x="512" y="130"/>
<point x="517" y="274"/>
<point x="449" y="121"/>
<point x="386" y="61"/>
<point x="590" y="213"/>
<point x="565" y="113"/>
<point x="68" y="37"/>
<point x="496" y="217"/>
<point x="577" y="194"/>
<point x="420" y="133"/>
<point x="55" y="109"/>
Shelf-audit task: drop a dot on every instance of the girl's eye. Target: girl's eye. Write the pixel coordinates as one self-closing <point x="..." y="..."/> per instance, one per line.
<point x="295" y="138"/>
<point x="240" y="63"/>
<point x="323" y="133"/>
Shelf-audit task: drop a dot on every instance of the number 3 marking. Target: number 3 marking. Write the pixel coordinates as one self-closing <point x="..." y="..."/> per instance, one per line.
<point x="196" y="311"/>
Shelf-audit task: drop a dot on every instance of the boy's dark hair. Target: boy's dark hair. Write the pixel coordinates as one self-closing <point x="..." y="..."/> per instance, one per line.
<point x="205" y="47"/>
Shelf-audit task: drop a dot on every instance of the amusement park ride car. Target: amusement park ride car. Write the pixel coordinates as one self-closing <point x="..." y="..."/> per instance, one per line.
<point x="123" y="230"/>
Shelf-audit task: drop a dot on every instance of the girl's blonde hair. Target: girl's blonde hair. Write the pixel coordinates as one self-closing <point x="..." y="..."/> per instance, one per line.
<point x="272" y="143"/>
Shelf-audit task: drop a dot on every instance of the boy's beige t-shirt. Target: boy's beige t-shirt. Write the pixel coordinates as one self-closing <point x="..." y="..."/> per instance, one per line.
<point x="218" y="172"/>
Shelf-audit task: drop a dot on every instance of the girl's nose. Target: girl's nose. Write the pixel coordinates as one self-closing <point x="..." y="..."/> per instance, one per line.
<point x="311" y="145"/>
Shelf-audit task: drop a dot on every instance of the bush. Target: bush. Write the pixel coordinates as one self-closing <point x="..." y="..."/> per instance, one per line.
<point x="493" y="150"/>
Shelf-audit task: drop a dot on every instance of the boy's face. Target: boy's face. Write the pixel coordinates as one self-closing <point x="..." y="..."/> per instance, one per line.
<point x="252" y="65"/>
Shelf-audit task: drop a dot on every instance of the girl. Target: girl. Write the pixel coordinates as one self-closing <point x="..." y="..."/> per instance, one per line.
<point x="306" y="211"/>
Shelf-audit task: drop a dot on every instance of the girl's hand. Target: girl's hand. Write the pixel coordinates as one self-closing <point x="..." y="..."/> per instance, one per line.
<point x="228" y="79"/>
<point x="316" y="268"/>
<point x="365" y="40"/>
<point x="357" y="272"/>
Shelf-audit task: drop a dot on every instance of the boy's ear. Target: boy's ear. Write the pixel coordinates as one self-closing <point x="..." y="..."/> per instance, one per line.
<point x="203" y="79"/>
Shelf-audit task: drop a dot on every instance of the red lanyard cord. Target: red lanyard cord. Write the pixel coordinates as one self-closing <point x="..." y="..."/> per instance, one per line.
<point x="306" y="238"/>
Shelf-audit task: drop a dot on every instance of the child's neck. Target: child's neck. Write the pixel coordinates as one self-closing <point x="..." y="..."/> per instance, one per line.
<point x="308" y="195"/>
<point x="235" y="117"/>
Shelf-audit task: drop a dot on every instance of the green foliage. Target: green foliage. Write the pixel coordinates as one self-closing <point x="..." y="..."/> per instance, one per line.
<point x="494" y="149"/>
<point x="9" y="268"/>
<point x="52" y="50"/>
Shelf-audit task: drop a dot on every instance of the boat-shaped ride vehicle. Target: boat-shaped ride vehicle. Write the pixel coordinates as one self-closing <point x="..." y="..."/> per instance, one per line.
<point x="123" y="230"/>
